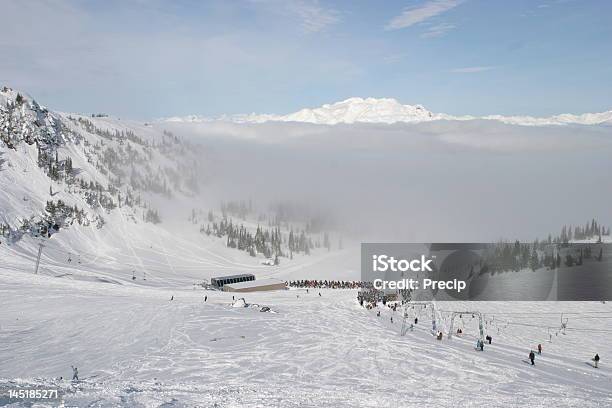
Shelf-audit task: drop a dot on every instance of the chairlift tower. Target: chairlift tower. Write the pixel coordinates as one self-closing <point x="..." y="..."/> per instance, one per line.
<point x="473" y="313"/>
<point x="40" y="248"/>
<point x="412" y="304"/>
<point x="563" y="323"/>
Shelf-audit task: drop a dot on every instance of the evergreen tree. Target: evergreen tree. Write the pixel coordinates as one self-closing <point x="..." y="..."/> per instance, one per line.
<point x="534" y="262"/>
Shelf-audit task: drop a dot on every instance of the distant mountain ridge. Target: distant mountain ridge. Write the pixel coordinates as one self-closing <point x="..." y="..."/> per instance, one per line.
<point x="388" y="111"/>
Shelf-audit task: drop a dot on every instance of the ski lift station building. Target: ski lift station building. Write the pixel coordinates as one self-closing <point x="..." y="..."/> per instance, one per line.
<point x="221" y="281"/>
<point x="246" y="283"/>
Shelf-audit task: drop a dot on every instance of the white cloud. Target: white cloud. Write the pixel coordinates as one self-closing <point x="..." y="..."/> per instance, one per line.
<point x="313" y="17"/>
<point x="471" y="70"/>
<point x="438" y="30"/>
<point x="417" y="14"/>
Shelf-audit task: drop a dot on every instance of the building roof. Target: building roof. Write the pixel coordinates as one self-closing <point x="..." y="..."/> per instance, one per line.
<point x="255" y="283"/>
<point x="242" y="275"/>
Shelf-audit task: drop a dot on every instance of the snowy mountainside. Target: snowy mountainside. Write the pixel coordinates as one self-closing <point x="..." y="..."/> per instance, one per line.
<point x="354" y="110"/>
<point x="59" y="169"/>
<point x="388" y="111"/>
<point x="110" y="200"/>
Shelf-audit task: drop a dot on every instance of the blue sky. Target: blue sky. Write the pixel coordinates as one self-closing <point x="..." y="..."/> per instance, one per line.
<point x="147" y="58"/>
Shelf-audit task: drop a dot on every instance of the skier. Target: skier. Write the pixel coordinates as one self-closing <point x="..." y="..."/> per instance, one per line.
<point x="172" y="297"/>
<point x="532" y="357"/>
<point x="489" y="338"/>
<point x="416" y="320"/>
<point x="391" y="319"/>
<point x="539" y="349"/>
<point x="306" y="290"/>
<point x="319" y="294"/>
<point x="75" y="373"/>
<point x="206" y="298"/>
<point x="596" y="360"/>
<point x="378" y="314"/>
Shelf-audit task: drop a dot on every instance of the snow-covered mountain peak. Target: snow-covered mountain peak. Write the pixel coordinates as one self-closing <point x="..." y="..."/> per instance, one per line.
<point x="12" y="96"/>
<point x="368" y="110"/>
<point x="372" y="102"/>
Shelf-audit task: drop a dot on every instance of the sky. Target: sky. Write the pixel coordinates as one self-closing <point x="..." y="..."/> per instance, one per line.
<point x="147" y="59"/>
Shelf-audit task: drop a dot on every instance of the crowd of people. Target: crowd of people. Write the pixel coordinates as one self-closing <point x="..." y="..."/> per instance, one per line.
<point x="370" y="296"/>
<point x="328" y="284"/>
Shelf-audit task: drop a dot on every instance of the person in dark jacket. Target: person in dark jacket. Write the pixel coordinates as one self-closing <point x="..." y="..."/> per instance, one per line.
<point x="532" y="357"/>
<point x="539" y="349"/>
<point x="596" y="360"/>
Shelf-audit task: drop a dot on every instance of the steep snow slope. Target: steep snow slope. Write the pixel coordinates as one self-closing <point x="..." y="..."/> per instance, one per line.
<point x="58" y="169"/>
<point x="388" y="110"/>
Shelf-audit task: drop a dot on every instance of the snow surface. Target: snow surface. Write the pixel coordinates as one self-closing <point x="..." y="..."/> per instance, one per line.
<point x="388" y="110"/>
<point x="135" y="347"/>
